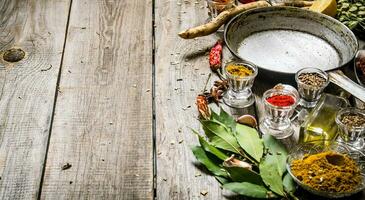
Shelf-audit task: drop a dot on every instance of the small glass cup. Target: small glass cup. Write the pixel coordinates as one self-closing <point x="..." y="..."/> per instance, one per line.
<point x="214" y="8"/>
<point x="353" y="135"/>
<point x="276" y="121"/>
<point x="310" y="94"/>
<point x="239" y="94"/>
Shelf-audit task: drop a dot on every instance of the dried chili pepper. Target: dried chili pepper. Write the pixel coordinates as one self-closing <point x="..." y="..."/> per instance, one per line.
<point x="215" y="56"/>
<point x="202" y="104"/>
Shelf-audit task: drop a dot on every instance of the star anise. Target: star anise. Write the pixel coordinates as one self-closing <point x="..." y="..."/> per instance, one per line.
<point x="215" y="95"/>
<point x="221" y="84"/>
<point x="216" y="92"/>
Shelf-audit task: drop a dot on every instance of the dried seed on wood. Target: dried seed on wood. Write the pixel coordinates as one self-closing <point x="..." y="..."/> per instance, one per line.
<point x="66" y="166"/>
<point x="43" y="70"/>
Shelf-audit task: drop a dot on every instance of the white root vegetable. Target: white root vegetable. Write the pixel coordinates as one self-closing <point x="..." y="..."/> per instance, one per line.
<point x="221" y="19"/>
<point x="296" y="3"/>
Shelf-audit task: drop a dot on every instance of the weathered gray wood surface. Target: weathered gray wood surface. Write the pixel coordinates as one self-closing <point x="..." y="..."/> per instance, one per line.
<point x="28" y="90"/>
<point x="182" y="70"/>
<point x="87" y="98"/>
<point x="103" y="117"/>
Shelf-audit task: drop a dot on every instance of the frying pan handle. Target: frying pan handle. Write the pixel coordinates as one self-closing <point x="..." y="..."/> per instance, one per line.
<point x="339" y="78"/>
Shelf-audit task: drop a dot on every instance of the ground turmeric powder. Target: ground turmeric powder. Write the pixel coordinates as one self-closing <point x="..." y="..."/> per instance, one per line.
<point x="328" y="171"/>
<point x="239" y="70"/>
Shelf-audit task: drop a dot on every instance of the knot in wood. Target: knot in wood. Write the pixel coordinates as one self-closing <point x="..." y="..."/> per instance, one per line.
<point x="13" y="55"/>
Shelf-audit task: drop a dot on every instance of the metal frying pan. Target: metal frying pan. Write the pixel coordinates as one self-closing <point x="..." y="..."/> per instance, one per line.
<point x="287" y="39"/>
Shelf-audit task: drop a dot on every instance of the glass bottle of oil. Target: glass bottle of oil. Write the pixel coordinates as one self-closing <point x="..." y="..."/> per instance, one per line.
<point x="320" y="125"/>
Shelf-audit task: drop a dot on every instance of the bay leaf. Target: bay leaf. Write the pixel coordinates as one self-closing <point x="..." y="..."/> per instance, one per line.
<point x="271" y="176"/>
<point x="220" y="136"/>
<point x="277" y="153"/>
<point x="210" y="148"/>
<point x="239" y="174"/>
<point x="221" y="180"/>
<point x="249" y="190"/>
<point x="274" y="144"/>
<point x="227" y="120"/>
<point x="212" y="166"/>
<point x="289" y="184"/>
<point x="214" y="116"/>
<point x="249" y="139"/>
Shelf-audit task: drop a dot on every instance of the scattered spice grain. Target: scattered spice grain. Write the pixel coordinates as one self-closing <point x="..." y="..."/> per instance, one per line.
<point x="48" y="68"/>
<point x="312" y="79"/>
<point x="198" y="174"/>
<point x="204" y="192"/>
<point x="66" y="166"/>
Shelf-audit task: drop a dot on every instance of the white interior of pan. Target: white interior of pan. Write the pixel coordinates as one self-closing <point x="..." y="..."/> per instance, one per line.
<point x="289" y="39"/>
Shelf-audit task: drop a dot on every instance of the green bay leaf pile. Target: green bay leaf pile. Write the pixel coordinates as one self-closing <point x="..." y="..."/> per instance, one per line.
<point x="241" y="160"/>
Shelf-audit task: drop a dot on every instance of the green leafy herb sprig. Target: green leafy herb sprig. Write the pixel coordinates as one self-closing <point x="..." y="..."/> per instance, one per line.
<point x="352" y="14"/>
<point x="242" y="161"/>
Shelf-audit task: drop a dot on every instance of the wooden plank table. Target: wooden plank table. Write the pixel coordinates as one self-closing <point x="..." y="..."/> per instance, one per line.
<point x="102" y="103"/>
<point x="82" y="95"/>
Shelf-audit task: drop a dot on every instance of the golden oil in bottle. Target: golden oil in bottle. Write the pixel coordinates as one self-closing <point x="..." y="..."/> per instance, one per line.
<point x="320" y="124"/>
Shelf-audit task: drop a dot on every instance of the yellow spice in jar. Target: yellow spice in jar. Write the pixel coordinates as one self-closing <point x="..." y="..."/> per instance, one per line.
<point x="239" y="70"/>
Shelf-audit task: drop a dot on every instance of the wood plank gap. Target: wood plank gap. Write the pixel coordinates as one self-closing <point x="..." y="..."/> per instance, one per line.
<point x="154" y="146"/>
<point x="55" y="101"/>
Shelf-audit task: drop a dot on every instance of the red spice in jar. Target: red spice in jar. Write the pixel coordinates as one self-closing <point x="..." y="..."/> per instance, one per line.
<point x="281" y="100"/>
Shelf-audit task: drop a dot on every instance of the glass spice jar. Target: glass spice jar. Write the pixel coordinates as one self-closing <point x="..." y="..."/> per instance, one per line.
<point x="311" y="83"/>
<point x="279" y="106"/>
<point x="351" y="126"/>
<point x="240" y="76"/>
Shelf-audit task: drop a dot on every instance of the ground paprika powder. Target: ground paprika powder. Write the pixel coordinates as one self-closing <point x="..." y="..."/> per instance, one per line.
<point x="281" y="100"/>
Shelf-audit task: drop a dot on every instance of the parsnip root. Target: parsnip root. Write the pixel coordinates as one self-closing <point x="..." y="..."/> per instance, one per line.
<point x="221" y="19"/>
<point x="296" y="4"/>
